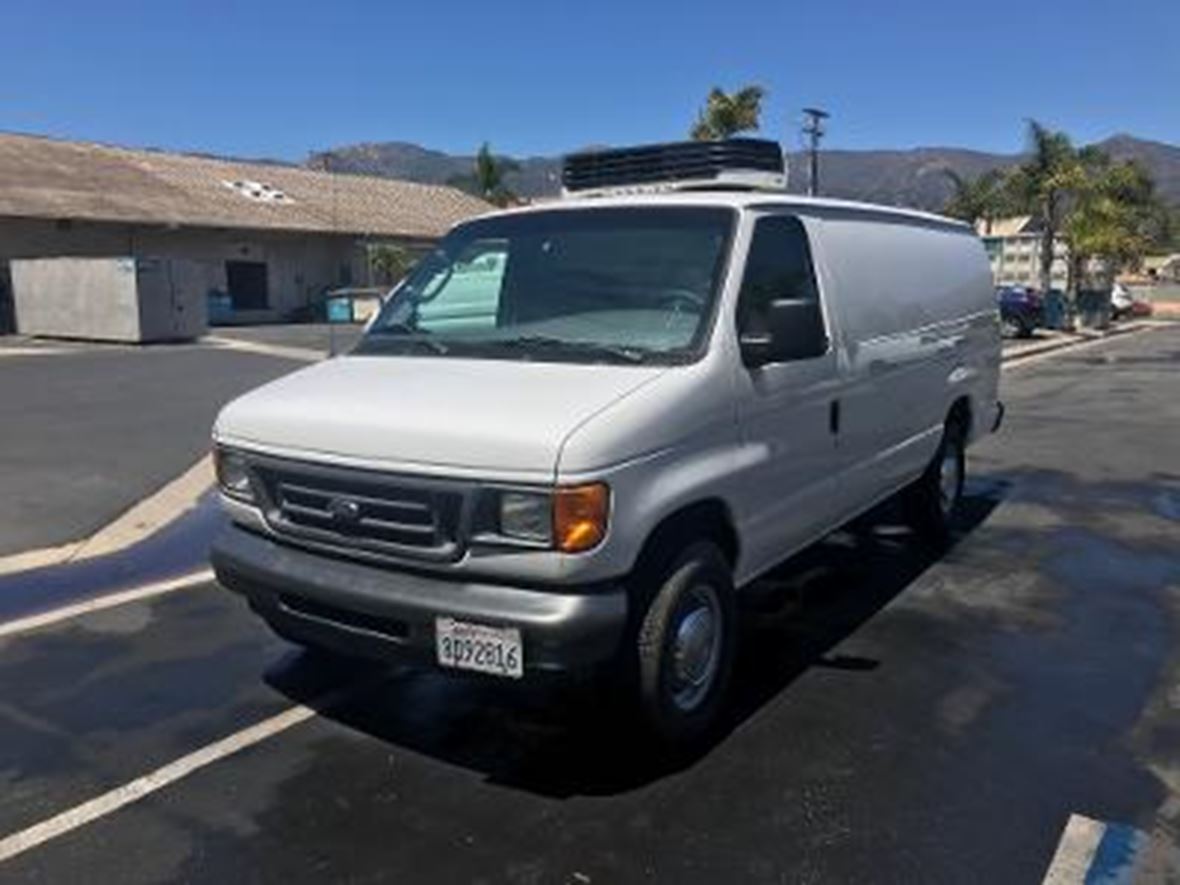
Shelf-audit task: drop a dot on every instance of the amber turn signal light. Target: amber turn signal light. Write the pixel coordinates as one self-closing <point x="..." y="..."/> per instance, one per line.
<point x="580" y="516"/>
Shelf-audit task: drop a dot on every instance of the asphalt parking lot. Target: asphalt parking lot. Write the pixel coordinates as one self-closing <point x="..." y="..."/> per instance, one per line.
<point x="90" y="430"/>
<point x="899" y="717"/>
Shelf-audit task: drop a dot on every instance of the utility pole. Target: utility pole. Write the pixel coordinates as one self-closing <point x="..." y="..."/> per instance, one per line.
<point x="813" y="128"/>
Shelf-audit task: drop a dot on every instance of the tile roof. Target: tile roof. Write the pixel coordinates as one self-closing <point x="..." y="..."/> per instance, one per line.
<point x="47" y="178"/>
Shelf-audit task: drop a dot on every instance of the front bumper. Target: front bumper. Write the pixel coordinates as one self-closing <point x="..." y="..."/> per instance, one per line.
<point x="378" y="613"/>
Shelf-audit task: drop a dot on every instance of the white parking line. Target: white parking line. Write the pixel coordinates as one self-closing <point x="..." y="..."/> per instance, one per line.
<point x="1075" y="851"/>
<point x="286" y="351"/>
<point x="33" y="622"/>
<point x="133" y="791"/>
<point x="35" y="351"/>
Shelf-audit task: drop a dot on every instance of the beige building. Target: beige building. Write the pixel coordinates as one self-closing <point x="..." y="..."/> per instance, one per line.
<point x="1161" y="268"/>
<point x="1014" y="247"/>
<point x="271" y="239"/>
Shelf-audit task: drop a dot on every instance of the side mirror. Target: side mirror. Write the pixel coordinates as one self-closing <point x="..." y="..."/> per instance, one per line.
<point x="794" y="331"/>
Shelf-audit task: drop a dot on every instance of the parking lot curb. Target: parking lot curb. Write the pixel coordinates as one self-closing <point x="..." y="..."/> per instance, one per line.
<point x="1075" y="340"/>
<point x="136" y="524"/>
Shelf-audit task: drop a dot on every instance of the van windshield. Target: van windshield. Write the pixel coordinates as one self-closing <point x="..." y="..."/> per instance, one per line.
<point x="626" y="285"/>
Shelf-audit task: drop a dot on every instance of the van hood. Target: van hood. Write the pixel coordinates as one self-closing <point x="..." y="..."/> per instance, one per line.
<point x="494" y="416"/>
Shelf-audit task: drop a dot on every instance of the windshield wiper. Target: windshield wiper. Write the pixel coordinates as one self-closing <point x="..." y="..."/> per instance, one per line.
<point x="545" y="342"/>
<point x="411" y="336"/>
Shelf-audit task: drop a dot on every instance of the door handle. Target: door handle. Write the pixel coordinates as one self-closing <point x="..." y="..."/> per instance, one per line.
<point x="834" y="416"/>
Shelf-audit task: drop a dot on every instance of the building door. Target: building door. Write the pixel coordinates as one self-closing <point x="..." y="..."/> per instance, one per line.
<point x="7" y="308"/>
<point x="247" y="284"/>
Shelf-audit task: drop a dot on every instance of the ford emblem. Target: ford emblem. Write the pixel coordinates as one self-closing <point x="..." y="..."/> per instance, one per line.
<point x="344" y="511"/>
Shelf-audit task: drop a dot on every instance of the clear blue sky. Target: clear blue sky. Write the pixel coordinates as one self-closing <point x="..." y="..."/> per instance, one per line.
<point x="263" y="78"/>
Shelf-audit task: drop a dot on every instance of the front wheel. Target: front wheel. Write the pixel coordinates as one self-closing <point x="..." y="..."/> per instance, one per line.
<point x="933" y="499"/>
<point x="685" y="645"/>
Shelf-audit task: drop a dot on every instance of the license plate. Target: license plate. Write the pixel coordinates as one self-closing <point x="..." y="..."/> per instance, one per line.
<point x="467" y="646"/>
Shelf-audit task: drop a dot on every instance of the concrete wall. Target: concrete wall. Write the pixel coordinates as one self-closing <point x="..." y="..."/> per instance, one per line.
<point x="299" y="266"/>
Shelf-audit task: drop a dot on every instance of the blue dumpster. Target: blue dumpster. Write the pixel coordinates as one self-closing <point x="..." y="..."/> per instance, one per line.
<point x="1056" y="310"/>
<point x="1094" y="308"/>
<point x="220" y="306"/>
<point x="339" y="310"/>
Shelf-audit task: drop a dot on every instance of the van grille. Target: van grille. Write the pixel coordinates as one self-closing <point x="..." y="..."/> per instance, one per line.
<point x="361" y="510"/>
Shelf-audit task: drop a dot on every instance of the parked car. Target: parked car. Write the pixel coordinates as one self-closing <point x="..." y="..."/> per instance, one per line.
<point x="1120" y="301"/>
<point x="1124" y="303"/>
<point x="1022" y="310"/>
<point x="576" y="433"/>
<point x="1140" y="307"/>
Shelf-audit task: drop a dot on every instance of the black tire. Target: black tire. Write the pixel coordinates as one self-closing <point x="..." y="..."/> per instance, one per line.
<point x="684" y="645"/>
<point x="932" y="500"/>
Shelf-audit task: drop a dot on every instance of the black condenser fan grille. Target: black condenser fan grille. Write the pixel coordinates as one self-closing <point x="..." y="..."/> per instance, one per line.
<point x="675" y="161"/>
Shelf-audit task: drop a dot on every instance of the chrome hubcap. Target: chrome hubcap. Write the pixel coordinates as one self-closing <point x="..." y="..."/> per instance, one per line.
<point x="948" y="481"/>
<point x="696" y="647"/>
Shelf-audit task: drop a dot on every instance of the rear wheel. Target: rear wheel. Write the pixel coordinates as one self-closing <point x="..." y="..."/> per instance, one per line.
<point x="684" y="646"/>
<point x="933" y="499"/>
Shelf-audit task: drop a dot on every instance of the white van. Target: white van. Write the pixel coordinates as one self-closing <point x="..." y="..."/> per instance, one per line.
<point x="576" y="431"/>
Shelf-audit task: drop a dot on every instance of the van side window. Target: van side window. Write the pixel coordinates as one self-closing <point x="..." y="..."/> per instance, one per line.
<point x="778" y="267"/>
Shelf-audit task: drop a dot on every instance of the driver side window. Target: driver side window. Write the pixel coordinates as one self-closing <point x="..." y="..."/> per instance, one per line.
<point x="778" y="266"/>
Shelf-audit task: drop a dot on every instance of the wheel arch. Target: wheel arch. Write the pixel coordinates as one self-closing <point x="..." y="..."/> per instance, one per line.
<point x="962" y="413"/>
<point x="705" y="519"/>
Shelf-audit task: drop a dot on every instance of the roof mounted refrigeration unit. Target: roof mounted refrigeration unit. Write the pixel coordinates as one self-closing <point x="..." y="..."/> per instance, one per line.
<point x="732" y="164"/>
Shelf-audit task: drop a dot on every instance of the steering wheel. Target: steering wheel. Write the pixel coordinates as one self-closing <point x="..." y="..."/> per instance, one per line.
<point x="678" y="296"/>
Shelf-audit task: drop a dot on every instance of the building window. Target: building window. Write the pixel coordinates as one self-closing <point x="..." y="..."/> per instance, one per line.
<point x="247" y="284"/>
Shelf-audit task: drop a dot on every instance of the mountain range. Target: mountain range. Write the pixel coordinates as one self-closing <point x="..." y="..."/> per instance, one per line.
<point x="912" y="177"/>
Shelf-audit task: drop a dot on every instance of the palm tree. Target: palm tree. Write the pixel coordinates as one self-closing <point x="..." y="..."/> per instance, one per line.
<point x="1112" y="216"/>
<point x="489" y="173"/>
<point x="725" y="115"/>
<point x="977" y="199"/>
<point x="486" y="179"/>
<point x="1043" y="182"/>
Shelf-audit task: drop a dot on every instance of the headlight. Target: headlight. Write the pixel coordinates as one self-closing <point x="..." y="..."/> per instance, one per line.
<point x="572" y="519"/>
<point x="526" y="515"/>
<point x="233" y="476"/>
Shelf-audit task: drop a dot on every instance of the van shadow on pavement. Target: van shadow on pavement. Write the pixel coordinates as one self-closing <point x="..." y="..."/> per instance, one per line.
<point x="564" y="739"/>
<point x="179" y="548"/>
